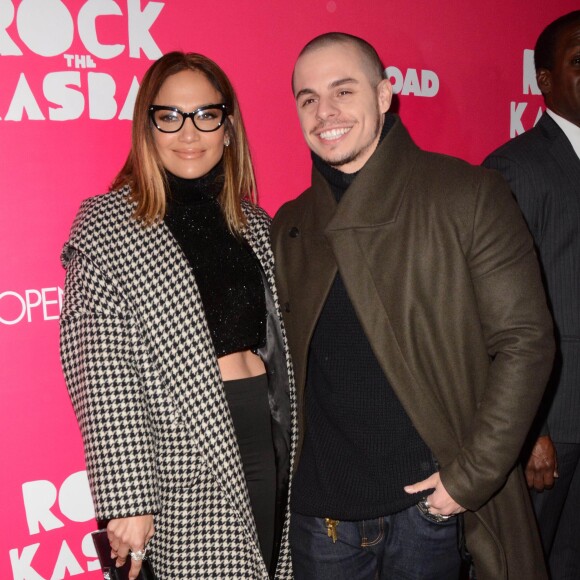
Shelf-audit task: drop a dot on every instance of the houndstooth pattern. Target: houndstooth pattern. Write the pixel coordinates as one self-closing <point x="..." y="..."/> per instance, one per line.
<point x="145" y="384"/>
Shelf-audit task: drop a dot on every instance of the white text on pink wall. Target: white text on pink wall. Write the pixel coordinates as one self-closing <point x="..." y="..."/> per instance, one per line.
<point x="31" y="305"/>
<point x="48" y="29"/>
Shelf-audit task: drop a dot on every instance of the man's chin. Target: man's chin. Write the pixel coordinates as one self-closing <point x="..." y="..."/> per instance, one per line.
<point x="338" y="161"/>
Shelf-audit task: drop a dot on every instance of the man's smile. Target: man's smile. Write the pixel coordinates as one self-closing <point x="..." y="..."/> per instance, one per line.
<point x="333" y="134"/>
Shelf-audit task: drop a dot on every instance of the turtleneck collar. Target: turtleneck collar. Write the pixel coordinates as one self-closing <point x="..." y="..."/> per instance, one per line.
<point x="196" y="191"/>
<point x="338" y="180"/>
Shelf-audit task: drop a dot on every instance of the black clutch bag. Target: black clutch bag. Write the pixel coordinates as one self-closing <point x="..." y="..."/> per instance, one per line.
<point x="110" y="571"/>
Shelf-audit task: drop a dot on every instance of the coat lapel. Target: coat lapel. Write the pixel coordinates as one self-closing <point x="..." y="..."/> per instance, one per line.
<point x="310" y="267"/>
<point x="370" y="209"/>
<point x="257" y="235"/>
<point x="375" y="196"/>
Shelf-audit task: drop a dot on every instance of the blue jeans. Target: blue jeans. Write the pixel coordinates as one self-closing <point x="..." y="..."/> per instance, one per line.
<point x="402" y="546"/>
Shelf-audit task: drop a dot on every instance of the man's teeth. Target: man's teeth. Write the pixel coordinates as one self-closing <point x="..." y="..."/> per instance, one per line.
<point x="334" y="133"/>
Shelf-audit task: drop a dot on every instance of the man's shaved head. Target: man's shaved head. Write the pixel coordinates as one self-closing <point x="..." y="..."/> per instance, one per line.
<point x="369" y="57"/>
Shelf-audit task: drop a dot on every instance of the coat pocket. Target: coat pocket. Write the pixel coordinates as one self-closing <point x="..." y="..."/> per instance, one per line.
<point x="179" y="462"/>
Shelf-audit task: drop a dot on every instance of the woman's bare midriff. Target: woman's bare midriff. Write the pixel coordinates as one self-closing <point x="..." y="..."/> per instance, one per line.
<point x="240" y="365"/>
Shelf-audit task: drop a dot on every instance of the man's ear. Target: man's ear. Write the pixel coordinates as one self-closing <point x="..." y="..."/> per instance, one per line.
<point x="544" y="80"/>
<point x="384" y="95"/>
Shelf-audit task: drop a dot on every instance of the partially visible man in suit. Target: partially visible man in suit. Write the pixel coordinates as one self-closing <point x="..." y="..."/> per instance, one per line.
<point x="420" y="338"/>
<point x="542" y="167"/>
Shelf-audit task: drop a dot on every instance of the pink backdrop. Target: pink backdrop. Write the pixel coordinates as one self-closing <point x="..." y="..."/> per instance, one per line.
<point x="68" y="72"/>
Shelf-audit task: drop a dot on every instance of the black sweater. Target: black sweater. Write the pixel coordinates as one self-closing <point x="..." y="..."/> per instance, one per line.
<point x="226" y="270"/>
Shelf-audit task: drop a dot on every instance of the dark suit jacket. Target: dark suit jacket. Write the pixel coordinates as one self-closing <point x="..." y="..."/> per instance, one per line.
<point x="440" y="268"/>
<point x="543" y="171"/>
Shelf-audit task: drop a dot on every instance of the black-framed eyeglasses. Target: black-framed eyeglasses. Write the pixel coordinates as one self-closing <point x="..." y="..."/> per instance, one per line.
<point x="170" y="119"/>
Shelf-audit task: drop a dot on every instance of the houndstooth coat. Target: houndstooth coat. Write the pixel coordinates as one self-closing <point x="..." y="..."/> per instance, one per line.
<point x="144" y="381"/>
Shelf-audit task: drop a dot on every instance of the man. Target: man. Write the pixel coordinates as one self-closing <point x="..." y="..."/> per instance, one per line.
<point x="542" y="167"/>
<point x="420" y="337"/>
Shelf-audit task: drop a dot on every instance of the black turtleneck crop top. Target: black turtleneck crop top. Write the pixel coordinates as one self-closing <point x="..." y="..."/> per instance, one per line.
<point x="226" y="270"/>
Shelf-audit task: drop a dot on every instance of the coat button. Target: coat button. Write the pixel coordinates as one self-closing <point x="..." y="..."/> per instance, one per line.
<point x="294" y="232"/>
<point x="286" y="306"/>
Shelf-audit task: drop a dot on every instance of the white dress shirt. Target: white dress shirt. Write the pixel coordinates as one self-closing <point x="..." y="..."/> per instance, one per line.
<point x="570" y="130"/>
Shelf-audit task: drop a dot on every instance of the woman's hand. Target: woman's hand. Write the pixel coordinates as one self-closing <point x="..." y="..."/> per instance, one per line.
<point x="129" y="535"/>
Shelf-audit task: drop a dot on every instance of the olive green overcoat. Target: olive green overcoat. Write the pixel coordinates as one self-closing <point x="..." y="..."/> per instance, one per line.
<point x="441" y="271"/>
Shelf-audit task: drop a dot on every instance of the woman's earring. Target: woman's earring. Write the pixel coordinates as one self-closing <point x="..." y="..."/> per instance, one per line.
<point x="227" y="140"/>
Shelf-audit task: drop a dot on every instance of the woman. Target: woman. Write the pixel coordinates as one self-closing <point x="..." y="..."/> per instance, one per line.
<point x="186" y="410"/>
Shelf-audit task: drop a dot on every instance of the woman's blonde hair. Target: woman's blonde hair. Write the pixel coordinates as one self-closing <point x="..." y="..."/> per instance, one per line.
<point x="143" y="171"/>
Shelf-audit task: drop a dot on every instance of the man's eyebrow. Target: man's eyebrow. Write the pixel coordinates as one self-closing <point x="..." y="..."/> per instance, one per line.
<point x="332" y="85"/>
<point x="345" y="81"/>
<point x="303" y="92"/>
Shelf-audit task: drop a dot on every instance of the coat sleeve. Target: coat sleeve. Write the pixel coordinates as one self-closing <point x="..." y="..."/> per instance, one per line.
<point x="517" y="329"/>
<point x="99" y="355"/>
<point x="531" y="197"/>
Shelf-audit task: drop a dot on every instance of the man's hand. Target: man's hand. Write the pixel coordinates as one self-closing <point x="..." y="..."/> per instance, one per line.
<point x="440" y="502"/>
<point x="542" y="465"/>
<point x="129" y="535"/>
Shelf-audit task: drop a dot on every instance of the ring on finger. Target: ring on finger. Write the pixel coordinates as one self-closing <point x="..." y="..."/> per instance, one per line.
<point x="138" y="555"/>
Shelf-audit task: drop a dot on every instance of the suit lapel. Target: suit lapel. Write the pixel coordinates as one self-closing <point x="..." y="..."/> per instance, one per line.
<point x="562" y="151"/>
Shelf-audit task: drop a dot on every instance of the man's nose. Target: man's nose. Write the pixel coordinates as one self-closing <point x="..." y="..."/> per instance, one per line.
<point x="326" y="108"/>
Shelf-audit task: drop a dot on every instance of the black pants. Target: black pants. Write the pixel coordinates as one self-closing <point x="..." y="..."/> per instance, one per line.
<point x="248" y="402"/>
